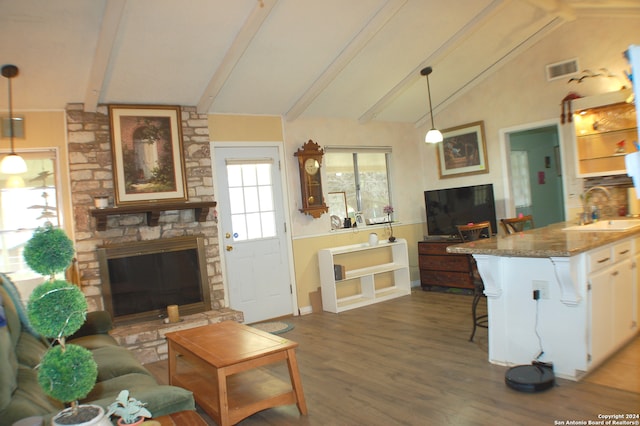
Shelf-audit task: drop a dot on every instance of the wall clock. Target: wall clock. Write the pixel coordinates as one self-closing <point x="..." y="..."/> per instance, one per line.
<point x="309" y="163"/>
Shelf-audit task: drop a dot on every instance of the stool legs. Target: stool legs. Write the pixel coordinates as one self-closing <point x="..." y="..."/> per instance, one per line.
<point x="478" y="320"/>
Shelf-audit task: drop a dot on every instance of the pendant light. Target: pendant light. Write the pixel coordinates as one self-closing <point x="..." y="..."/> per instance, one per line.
<point x="433" y="135"/>
<point x="12" y="163"/>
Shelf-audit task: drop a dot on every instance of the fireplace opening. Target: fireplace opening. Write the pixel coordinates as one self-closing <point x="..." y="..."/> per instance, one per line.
<point x="140" y="279"/>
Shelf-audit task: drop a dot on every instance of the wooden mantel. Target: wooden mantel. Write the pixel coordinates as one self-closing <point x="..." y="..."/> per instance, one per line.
<point x="201" y="210"/>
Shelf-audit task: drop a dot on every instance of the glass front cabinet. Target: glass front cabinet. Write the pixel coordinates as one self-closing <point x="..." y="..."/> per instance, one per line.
<point x="604" y="134"/>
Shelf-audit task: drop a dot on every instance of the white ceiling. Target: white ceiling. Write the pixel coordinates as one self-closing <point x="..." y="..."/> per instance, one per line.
<point x="358" y="59"/>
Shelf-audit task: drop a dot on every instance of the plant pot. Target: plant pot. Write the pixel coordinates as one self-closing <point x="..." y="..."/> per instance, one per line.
<point x="83" y="418"/>
<point x="137" y="422"/>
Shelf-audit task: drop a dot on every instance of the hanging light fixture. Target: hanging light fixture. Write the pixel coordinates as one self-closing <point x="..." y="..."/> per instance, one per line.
<point x="12" y="163"/>
<point x="433" y="135"/>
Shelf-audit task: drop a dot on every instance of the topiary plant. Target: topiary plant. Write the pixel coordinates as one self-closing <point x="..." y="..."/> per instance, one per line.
<point x="49" y="251"/>
<point x="57" y="309"/>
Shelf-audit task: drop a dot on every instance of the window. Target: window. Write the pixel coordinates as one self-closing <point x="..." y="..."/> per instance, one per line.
<point x="251" y="199"/>
<point x="358" y="182"/>
<point x="27" y="201"/>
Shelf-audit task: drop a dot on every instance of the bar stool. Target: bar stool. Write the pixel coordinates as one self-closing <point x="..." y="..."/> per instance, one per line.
<point x="514" y="225"/>
<point x="472" y="232"/>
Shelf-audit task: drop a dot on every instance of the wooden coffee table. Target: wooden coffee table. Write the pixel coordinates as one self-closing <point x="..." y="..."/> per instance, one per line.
<point x="220" y="363"/>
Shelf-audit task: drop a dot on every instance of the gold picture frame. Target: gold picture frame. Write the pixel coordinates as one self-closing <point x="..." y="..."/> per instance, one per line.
<point x="147" y="150"/>
<point x="463" y="151"/>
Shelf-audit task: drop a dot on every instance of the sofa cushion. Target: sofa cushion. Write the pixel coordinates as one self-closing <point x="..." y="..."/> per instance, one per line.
<point x="8" y="361"/>
<point x="160" y="399"/>
<point x="28" y="399"/>
<point x="30" y="350"/>
<point x="94" y="342"/>
<point x="114" y="361"/>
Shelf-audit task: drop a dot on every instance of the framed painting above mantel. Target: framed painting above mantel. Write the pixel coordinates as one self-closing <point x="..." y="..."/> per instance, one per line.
<point x="148" y="161"/>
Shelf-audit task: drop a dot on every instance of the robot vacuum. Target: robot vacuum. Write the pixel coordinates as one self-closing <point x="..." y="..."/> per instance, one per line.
<point x="536" y="377"/>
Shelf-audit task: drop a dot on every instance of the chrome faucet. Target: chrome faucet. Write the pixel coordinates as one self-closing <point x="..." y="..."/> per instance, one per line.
<point x="585" y="200"/>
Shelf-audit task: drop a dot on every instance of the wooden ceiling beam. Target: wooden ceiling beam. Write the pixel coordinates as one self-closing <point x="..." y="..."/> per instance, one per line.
<point x="240" y="44"/>
<point x="377" y="22"/>
<point x="106" y="39"/>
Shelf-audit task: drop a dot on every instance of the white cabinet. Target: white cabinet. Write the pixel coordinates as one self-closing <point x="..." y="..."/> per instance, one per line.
<point x="371" y="274"/>
<point x="612" y="298"/>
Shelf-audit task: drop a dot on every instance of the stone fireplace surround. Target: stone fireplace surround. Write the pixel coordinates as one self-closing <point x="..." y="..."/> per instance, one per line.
<point x="91" y="174"/>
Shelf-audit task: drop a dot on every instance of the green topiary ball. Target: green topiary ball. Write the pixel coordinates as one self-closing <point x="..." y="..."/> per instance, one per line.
<point x="67" y="374"/>
<point x="57" y="309"/>
<point x="49" y="251"/>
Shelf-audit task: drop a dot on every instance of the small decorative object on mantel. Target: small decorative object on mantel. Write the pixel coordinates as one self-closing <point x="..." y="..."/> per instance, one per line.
<point x="388" y="210"/>
<point x="373" y="239"/>
<point x="309" y="163"/>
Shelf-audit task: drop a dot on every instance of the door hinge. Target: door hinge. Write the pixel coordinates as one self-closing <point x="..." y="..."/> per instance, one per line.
<point x="285" y="227"/>
<point x="290" y="289"/>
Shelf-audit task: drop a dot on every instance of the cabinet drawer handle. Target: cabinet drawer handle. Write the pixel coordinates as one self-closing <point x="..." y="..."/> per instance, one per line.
<point x="614" y="273"/>
<point x="624" y="252"/>
<point x="606" y="259"/>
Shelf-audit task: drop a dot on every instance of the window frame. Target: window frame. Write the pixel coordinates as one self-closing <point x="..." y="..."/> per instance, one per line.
<point x="354" y="151"/>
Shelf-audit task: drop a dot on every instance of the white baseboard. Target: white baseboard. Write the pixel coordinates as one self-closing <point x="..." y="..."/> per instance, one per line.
<point x="305" y="310"/>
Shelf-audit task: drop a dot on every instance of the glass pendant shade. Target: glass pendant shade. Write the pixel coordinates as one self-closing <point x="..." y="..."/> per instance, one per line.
<point x="13" y="164"/>
<point x="433" y="136"/>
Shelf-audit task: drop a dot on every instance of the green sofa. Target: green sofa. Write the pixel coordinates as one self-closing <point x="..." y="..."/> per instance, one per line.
<point x="21" y="349"/>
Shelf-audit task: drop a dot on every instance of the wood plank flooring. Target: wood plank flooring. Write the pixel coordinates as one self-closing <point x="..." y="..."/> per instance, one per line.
<point x="409" y="362"/>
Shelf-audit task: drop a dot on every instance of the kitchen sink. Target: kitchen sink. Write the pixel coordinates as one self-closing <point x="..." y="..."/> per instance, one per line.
<point x="606" y="225"/>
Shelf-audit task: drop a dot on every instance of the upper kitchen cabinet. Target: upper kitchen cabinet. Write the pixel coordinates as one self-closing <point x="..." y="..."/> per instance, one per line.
<point x="605" y="130"/>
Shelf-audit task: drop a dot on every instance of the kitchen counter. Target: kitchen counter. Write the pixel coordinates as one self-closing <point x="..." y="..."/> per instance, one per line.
<point x="549" y="241"/>
<point x="588" y="298"/>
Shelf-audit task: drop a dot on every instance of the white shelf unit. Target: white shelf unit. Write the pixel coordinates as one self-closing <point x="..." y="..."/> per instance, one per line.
<point x="372" y="274"/>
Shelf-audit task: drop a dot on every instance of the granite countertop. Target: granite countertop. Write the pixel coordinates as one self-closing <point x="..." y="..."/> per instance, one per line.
<point x="548" y="241"/>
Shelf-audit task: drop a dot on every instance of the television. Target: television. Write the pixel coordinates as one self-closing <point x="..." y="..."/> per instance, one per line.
<point x="449" y="207"/>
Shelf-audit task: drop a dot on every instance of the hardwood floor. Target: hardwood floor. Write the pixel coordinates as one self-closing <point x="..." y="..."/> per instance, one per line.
<point x="409" y="362"/>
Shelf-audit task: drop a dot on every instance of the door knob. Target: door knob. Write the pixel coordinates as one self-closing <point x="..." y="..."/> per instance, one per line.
<point x="229" y="248"/>
<point x="227" y="235"/>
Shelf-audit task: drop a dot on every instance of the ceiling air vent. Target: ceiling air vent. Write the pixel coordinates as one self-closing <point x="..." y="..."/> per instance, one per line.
<point x="562" y="69"/>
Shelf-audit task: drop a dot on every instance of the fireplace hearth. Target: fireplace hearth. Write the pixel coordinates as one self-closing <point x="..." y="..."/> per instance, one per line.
<point x="140" y="279"/>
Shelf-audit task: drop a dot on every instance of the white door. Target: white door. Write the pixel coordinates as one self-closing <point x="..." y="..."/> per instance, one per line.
<point x="253" y="231"/>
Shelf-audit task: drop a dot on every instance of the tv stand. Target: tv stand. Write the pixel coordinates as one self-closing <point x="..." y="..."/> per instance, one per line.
<point x="441" y="269"/>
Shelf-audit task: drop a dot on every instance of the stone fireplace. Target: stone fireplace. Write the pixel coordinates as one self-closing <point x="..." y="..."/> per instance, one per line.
<point x="91" y="175"/>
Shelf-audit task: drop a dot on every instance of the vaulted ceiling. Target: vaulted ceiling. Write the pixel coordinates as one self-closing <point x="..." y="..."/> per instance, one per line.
<point x="358" y="59"/>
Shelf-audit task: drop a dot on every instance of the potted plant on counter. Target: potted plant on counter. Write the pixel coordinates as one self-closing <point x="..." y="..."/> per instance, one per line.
<point x="57" y="309"/>
<point x="130" y="410"/>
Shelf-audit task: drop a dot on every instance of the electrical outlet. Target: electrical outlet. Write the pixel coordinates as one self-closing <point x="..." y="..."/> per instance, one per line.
<point x="542" y="287"/>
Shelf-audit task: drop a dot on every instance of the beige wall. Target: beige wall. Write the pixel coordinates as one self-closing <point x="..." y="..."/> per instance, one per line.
<point x="45" y="130"/>
<point x="518" y="93"/>
<point x="309" y="234"/>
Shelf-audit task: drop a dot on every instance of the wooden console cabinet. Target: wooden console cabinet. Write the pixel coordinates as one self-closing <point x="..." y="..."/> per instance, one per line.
<point x="442" y="269"/>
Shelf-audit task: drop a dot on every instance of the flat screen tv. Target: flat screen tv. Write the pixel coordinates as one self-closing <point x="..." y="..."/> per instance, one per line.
<point x="449" y="207"/>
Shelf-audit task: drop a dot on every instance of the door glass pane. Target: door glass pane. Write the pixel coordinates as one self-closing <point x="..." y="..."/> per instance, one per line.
<point x="251" y="199"/>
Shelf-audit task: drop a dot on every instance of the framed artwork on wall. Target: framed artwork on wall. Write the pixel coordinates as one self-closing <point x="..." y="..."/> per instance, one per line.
<point x="463" y="151"/>
<point x="146" y="145"/>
